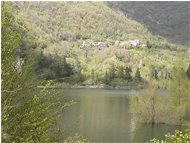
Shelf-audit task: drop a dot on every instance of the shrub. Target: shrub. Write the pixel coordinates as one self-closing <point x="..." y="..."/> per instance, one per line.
<point x="177" y="137"/>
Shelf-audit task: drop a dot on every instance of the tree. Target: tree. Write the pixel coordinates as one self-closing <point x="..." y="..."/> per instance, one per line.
<point x="27" y="115"/>
<point x="153" y="73"/>
<point x="148" y="44"/>
<point x="153" y="108"/>
<point x="138" y="77"/>
<point x="165" y="74"/>
<point x="112" y="72"/>
<point x="48" y="67"/>
<point x="146" y="106"/>
<point x="93" y="76"/>
<point x="120" y="73"/>
<point x="107" y="78"/>
<point x="188" y="72"/>
<point x="179" y="91"/>
<point x="66" y="68"/>
<point x="128" y="76"/>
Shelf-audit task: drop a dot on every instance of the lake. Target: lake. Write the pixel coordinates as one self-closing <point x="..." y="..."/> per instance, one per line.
<point x="103" y="116"/>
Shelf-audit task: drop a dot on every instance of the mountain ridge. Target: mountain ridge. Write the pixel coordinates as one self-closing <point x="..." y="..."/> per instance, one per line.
<point x="76" y="32"/>
<point x="167" y="19"/>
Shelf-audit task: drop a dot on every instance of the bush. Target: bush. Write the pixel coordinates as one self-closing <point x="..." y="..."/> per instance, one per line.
<point x="177" y="137"/>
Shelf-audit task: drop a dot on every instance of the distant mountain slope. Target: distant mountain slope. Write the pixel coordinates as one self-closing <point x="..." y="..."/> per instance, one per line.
<point x="168" y="19"/>
<point x="93" y="39"/>
<point x="59" y="21"/>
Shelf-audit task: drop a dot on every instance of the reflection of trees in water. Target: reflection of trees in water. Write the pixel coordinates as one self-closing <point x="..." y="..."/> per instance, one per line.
<point x="104" y="118"/>
<point x="147" y="131"/>
<point x="133" y="125"/>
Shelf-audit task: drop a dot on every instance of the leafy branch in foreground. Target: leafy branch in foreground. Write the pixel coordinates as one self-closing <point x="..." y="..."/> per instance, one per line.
<point x="27" y="112"/>
<point x="177" y="137"/>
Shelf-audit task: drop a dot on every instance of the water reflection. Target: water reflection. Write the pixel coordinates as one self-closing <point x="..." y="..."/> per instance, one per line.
<point x="104" y="116"/>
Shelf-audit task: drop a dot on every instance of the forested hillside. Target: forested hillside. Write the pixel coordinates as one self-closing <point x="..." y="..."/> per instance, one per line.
<point x="90" y="43"/>
<point x="48" y="46"/>
<point x="168" y="19"/>
<point x="77" y="20"/>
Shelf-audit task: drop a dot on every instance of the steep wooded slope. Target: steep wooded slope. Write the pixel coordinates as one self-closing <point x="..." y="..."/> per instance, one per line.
<point x="62" y="27"/>
<point x="168" y="19"/>
<point x="78" y="20"/>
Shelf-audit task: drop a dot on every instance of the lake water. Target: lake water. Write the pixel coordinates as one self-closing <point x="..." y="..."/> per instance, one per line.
<point x="103" y="116"/>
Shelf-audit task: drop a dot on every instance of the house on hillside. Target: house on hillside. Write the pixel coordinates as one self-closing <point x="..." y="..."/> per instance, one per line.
<point x="99" y="45"/>
<point x="82" y="45"/>
<point x="132" y="43"/>
<point x="85" y="44"/>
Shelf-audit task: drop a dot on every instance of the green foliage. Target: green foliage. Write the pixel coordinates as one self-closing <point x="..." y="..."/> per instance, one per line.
<point x="188" y="72"/>
<point x="112" y="72"/>
<point x="52" y="68"/>
<point x="62" y="28"/>
<point x="146" y="106"/>
<point x="148" y="45"/>
<point x="120" y="73"/>
<point x="153" y="73"/>
<point x="168" y="19"/>
<point x="74" y="21"/>
<point x="153" y="108"/>
<point x="10" y="43"/>
<point x="109" y="75"/>
<point x="138" y="77"/>
<point x="107" y="78"/>
<point x="179" y="94"/>
<point x="177" y="137"/>
<point x="27" y="113"/>
<point x="128" y="72"/>
<point x="93" y="76"/>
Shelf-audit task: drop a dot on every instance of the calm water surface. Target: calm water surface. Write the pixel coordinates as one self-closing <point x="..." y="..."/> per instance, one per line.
<point x="103" y="116"/>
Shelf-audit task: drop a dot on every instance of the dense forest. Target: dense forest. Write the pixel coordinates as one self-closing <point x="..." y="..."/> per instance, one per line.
<point x="73" y="44"/>
<point x="161" y="18"/>
<point x="73" y="53"/>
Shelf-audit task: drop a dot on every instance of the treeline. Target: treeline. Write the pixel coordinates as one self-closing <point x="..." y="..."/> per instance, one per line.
<point x="171" y="106"/>
<point x="121" y="74"/>
<point x="52" y="67"/>
<point x="57" y="68"/>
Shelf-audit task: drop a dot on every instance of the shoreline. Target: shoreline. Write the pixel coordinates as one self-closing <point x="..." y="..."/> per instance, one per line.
<point x="101" y="86"/>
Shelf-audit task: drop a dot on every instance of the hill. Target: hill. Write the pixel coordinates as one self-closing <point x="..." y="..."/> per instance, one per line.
<point x="78" y="20"/>
<point x="167" y="19"/>
<point x="90" y="43"/>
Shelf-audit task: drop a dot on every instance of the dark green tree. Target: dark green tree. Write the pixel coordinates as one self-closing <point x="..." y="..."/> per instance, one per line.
<point x="153" y="73"/>
<point x="188" y="72"/>
<point x="148" y="44"/>
<point x="112" y="72"/>
<point x="120" y="73"/>
<point x="128" y="72"/>
<point x="107" y="78"/>
<point x="138" y="77"/>
<point x="93" y="76"/>
<point x="48" y="67"/>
